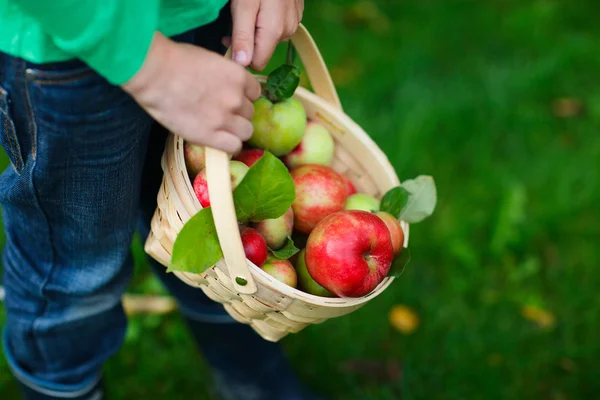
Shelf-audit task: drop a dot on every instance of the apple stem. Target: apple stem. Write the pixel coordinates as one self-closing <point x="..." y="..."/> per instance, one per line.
<point x="291" y="54"/>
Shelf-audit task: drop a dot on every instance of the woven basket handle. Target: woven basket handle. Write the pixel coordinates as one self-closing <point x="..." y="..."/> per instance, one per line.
<point x="218" y="175"/>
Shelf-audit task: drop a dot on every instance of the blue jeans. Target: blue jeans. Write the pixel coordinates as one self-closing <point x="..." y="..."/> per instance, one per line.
<point x="84" y="176"/>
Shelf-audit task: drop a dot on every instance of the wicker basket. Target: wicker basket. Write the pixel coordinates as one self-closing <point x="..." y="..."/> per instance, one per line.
<point x="272" y="308"/>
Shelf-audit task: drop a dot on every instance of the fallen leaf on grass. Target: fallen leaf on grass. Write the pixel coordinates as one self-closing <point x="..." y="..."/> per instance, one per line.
<point x="140" y="304"/>
<point x="495" y="359"/>
<point x="567" y="107"/>
<point x="346" y="72"/>
<point x="404" y="319"/>
<point x="367" y="13"/>
<point x="539" y="316"/>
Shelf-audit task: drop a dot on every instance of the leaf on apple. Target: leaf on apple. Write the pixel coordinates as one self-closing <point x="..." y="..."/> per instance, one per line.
<point x="399" y="263"/>
<point x="197" y="247"/>
<point x="422" y="199"/>
<point x="266" y="192"/>
<point x="282" y="82"/>
<point x="286" y="251"/>
<point x="394" y="201"/>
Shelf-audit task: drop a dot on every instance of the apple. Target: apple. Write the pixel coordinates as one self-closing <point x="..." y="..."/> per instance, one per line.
<point x="255" y="246"/>
<point x="237" y="171"/>
<point x="396" y="231"/>
<point x="316" y="147"/>
<point x="249" y="156"/>
<point x="349" y="185"/>
<point x="320" y="191"/>
<point x="194" y="158"/>
<point x="276" y="230"/>
<point x="349" y="253"/>
<point x="282" y="270"/>
<point x="305" y="282"/>
<point x="278" y="127"/>
<point x="362" y="201"/>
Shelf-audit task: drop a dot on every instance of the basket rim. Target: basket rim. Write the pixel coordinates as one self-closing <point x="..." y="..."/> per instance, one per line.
<point x="305" y="95"/>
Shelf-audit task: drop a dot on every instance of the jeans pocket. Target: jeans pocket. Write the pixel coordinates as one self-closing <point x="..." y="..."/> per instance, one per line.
<point x="8" y="134"/>
<point x="59" y="73"/>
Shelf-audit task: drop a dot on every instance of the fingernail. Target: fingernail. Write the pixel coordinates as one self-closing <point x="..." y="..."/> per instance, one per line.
<point x="240" y="57"/>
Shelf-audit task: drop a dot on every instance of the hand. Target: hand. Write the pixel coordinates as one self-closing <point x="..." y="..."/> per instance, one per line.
<point x="197" y="94"/>
<point x="259" y="25"/>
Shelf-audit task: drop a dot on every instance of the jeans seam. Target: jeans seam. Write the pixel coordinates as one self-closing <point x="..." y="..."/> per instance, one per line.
<point x="28" y="108"/>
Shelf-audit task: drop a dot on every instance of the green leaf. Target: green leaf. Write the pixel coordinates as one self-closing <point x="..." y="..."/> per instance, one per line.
<point x="399" y="263"/>
<point x="394" y="201"/>
<point x="282" y="82"/>
<point x="286" y="251"/>
<point x="422" y="199"/>
<point x="197" y="247"/>
<point x="266" y="192"/>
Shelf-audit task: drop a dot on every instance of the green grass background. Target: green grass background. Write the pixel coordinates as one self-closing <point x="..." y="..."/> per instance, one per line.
<point x="462" y="91"/>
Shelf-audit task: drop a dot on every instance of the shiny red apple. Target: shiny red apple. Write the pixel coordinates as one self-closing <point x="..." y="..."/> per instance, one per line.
<point x="249" y="156"/>
<point x="320" y="191"/>
<point x="349" y="253"/>
<point x="255" y="246"/>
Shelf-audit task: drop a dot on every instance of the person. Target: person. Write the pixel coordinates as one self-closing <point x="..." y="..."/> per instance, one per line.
<point x="88" y="92"/>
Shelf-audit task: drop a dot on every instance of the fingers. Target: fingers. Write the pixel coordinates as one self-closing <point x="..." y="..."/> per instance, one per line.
<point x="268" y="34"/>
<point x="239" y="126"/>
<point x="225" y="141"/>
<point x="252" y="88"/>
<point x="244" y="26"/>
<point x="247" y="109"/>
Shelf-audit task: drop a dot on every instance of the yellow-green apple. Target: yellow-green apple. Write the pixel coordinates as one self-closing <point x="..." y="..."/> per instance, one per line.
<point x="305" y="282"/>
<point x="194" y="158"/>
<point x="349" y="185"/>
<point x="282" y="270"/>
<point x="362" y="201"/>
<point x="255" y="246"/>
<point x="349" y="253"/>
<point x="237" y="172"/>
<point x="278" y="127"/>
<point x="276" y="230"/>
<point x="320" y="191"/>
<point x="249" y="156"/>
<point x="396" y="231"/>
<point x="316" y="147"/>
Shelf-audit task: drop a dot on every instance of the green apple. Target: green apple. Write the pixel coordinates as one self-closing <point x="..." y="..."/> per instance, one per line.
<point x="238" y="171"/>
<point x="362" y="201"/>
<point x="317" y="147"/>
<point x="305" y="282"/>
<point x="276" y="230"/>
<point x="278" y="127"/>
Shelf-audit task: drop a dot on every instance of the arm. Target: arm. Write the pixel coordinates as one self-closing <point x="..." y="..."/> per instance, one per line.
<point x="111" y="36"/>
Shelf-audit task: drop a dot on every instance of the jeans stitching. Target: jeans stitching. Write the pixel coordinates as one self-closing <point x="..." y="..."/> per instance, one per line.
<point x="28" y="109"/>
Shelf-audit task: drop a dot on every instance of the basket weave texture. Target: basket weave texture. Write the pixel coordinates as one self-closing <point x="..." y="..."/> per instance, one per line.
<point x="270" y="307"/>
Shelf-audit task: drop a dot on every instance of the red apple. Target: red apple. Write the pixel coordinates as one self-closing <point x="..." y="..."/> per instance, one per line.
<point x="255" y="246"/>
<point x="194" y="158"/>
<point x="317" y="147"/>
<point x="349" y="253"/>
<point x="349" y="185"/>
<point x="320" y="191"/>
<point x="237" y="172"/>
<point x="249" y="156"/>
<point x="396" y="232"/>
<point x="276" y="230"/>
<point x="282" y="270"/>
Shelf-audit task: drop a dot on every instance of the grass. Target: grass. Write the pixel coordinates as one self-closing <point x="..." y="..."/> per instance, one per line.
<point x="465" y="92"/>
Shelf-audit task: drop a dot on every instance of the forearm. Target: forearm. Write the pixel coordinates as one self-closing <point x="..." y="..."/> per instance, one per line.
<point x="111" y="36"/>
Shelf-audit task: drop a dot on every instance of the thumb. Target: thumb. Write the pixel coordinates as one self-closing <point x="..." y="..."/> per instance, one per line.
<point x="243" y="13"/>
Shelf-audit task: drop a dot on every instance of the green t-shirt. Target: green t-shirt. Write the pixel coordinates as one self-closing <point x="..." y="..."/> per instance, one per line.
<point x="111" y="36"/>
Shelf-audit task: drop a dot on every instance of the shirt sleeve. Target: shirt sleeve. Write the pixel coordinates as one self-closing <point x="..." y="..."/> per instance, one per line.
<point x="111" y="36"/>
